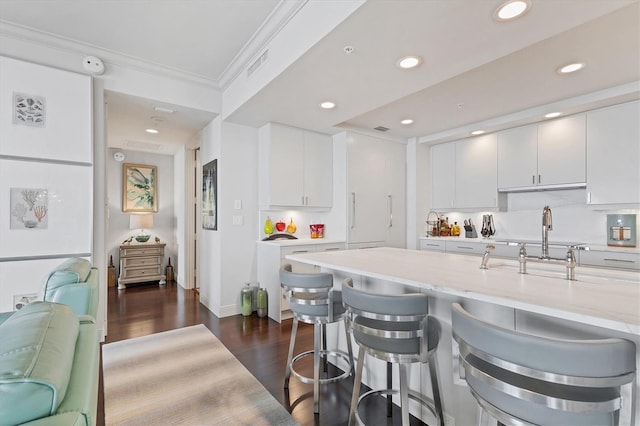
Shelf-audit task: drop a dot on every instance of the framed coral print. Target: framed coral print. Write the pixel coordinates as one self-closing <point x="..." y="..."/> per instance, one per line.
<point x="139" y="188"/>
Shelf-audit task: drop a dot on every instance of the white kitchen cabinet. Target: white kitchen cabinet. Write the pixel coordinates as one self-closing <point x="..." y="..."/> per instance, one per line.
<point x="376" y="191"/>
<point x="271" y="255"/>
<point x="476" y="181"/>
<point x="562" y="151"/>
<point x="610" y="259"/>
<point x="546" y="154"/>
<point x="443" y="175"/>
<point x="296" y="167"/>
<point x="613" y="151"/>
<point x="518" y="157"/>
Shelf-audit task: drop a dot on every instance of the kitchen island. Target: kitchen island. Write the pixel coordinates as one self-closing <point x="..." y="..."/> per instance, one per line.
<point x="600" y="303"/>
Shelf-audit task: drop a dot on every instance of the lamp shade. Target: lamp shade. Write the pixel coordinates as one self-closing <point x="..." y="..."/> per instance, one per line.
<point x="140" y="221"/>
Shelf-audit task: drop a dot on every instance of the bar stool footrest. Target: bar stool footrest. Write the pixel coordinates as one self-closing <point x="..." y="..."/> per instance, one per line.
<point x="425" y="401"/>
<point x="325" y="380"/>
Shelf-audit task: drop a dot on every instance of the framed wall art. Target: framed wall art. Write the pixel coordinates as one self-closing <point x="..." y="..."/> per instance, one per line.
<point x="29" y="110"/>
<point x="139" y="188"/>
<point x="29" y="208"/>
<point x="210" y="195"/>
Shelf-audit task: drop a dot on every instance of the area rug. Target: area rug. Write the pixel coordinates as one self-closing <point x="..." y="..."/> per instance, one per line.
<point x="183" y="377"/>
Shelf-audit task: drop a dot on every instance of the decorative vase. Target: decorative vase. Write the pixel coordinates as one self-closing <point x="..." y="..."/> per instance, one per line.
<point x="246" y="300"/>
<point x="262" y="303"/>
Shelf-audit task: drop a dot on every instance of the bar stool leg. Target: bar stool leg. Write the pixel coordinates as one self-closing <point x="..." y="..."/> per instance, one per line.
<point x="356" y="387"/>
<point x="349" y="347"/>
<point x="435" y="387"/>
<point x="317" y="344"/>
<point x="292" y="343"/>
<point x="404" y="393"/>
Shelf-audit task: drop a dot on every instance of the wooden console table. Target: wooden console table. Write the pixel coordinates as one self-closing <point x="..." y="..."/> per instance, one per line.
<point x="141" y="263"/>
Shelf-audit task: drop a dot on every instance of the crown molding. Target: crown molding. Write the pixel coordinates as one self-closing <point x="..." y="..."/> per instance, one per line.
<point x="281" y="15"/>
<point x="65" y="44"/>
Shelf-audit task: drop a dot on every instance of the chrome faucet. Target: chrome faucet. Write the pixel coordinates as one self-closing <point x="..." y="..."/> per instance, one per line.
<point x="485" y="256"/>
<point x="546" y="227"/>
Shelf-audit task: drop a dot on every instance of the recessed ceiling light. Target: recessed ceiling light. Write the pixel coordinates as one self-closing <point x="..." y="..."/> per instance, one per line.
<point x="511" y="9"/>
<point x="566" y="69"/>
<point x="553" y="114"/>
<point x="154" y="131"/>
<point x="407" y="121"/>
<point x="327" y="105"/>
<point x="477" y="132"/>
<point x="409" y="62"/>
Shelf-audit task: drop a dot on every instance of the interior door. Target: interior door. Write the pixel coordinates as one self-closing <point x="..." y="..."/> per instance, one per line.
<point x="197" y="222"/>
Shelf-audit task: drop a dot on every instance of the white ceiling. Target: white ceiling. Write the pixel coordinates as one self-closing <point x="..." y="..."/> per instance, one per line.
<point x="475" y="68"/>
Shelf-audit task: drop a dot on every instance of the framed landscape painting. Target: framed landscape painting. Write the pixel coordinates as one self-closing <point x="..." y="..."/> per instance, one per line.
<point x="139" y="188"/>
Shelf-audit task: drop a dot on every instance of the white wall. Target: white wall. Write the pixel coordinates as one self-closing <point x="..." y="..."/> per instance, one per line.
<point x="228" y="255"/>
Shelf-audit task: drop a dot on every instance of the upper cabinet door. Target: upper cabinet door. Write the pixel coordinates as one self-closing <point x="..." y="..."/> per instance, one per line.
<point x="286" y="166"/>
<point x="318" y="170"/>
<point x="443" y="175"/>
<point x="613" y="147"/>
<point x="518" y="157"/>
<point x="562" y="151"/>
<point x="476" y="179"/>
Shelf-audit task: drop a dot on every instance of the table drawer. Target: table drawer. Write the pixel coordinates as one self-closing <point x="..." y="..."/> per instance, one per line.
<point x="129" y="262"/>
<point x="141" y="251"/>
<point x="153" y="271"/>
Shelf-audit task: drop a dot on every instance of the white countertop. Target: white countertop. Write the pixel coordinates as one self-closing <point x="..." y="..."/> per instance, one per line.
<point x="301" y="242"/>
<point x="603" y="298"/>
<point x="589" y="246"/>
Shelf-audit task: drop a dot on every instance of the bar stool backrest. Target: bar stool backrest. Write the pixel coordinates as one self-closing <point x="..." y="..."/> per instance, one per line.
<point x="310" y="295"/>
<point x="393" y="327"/>
<point x="542" y="380"/>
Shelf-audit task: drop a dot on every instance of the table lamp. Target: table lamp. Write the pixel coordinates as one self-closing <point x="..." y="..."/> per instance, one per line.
<point x="141" y="222"/>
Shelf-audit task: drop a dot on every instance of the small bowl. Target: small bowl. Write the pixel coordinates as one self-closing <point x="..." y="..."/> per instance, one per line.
<point x="142" y="238"/>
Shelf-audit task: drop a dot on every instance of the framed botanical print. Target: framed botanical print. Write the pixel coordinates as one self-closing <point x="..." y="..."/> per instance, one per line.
<point x="139" y="188"/>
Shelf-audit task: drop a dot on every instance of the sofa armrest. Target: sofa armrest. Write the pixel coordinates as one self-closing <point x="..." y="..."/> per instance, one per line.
<point x="67" y="419"/>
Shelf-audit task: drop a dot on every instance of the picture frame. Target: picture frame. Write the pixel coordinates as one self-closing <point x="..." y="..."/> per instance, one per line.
<point x="29" y="110"/>
<point x="139" y="188"/>
<point x="210" y="195"/>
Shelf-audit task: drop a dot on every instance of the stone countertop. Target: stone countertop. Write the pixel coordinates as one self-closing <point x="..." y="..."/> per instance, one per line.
<point x="599" y="297"/>
<point x="301" y="242"/>
<point x="589" y="246"/>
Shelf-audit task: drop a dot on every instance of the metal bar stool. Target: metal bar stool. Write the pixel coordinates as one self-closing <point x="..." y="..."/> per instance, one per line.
<point x="314" y="301"/>
<point x="522" y="379"/>
<point x="396" y="329"/>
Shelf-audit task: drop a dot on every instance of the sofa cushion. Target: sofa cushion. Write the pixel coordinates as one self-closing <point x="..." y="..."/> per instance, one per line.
<point x="36" y="356"/>
<point x="72" y="271"/>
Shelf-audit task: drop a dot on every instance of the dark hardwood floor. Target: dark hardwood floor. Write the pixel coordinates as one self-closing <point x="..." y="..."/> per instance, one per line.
<point x="260" y="344"/>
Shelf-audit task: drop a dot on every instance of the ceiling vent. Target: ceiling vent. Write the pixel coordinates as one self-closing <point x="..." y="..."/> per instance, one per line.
<point x="381" y="128"/>
<point x="258" y="63"/>
<point x="144" y="145"/>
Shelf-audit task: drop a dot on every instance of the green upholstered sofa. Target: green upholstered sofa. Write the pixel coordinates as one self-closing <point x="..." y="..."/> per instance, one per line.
<point x="49" y="367"/>
<point x="74" y="283"/>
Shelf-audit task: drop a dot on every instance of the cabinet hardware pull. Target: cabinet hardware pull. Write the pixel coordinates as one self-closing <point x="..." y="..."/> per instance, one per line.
<point x="332" y="249"/>
<point x="464" y="247"/>
<point x="589" y="197"/>
<point x="619" y="260"/>
<point x="390" y="199"/>
<point x="539" y="180"/>
<point x="353" y="210"/>
<point x="300" y="251"/>
<point x="533" y="179"/>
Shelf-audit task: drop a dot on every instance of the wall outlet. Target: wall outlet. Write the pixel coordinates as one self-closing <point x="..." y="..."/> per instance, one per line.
<point x="19" y="300"/>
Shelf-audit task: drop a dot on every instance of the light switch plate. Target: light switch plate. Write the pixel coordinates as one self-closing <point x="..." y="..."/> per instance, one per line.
<point x="237" y="204"/>
<point x="237" y="220"/>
